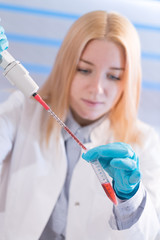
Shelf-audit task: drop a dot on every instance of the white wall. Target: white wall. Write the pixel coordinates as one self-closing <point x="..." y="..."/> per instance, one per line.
<point x="36" y="28"/>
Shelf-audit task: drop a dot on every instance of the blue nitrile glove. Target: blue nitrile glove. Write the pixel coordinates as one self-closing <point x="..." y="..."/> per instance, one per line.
<point x="3" y="40"/>
<point x="121" y="163"/>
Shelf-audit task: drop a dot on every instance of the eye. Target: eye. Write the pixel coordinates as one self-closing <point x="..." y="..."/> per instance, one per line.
<point x="112" y="77"/>
<point x="84" y="71"/>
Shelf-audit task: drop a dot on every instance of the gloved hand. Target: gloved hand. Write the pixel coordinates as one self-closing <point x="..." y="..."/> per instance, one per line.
<point x="121" y="163"/>
<point x="3" y="40"/>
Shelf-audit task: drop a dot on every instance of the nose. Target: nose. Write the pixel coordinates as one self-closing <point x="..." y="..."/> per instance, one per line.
<point x="96" y="85"/>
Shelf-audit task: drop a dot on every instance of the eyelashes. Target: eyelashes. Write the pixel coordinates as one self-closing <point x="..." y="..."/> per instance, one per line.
<point x="109" y="76"/>
<point x="84" y="71"/>
<point x="113" y="77"/>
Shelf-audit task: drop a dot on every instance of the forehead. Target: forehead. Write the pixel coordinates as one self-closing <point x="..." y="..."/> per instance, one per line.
<point x="104" y="51"/>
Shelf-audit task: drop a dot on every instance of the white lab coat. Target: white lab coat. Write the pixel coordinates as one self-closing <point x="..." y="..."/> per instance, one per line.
<point x="33" y="175"/>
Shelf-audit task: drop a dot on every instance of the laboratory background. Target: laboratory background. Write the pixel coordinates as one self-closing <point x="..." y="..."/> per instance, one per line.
<point x="35" y="30"/>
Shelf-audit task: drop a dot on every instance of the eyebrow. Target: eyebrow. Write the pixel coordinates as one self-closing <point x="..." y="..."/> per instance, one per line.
<point x="112" y="68"/>
<point x="82" y="60"/>
<point x="116" y="68"/>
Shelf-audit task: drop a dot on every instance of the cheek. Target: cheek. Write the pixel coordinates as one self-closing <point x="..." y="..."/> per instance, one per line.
<point x="77" y="86"/>
<point x="113" y="92"/>
<point x="75" y="89"/>
<point x="119" y="93"/>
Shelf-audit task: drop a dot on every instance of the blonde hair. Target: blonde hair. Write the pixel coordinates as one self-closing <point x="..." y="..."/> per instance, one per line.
<point x="97" y="25"/>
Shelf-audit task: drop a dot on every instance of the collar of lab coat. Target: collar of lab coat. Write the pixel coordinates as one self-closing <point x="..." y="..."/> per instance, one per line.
<point x="75" y="127"/>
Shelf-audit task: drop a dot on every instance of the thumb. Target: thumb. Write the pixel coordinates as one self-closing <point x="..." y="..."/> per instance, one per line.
<point x="135" y="177"/>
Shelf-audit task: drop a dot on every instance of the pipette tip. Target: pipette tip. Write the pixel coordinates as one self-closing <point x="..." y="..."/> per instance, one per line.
<point x="41" y="101"/>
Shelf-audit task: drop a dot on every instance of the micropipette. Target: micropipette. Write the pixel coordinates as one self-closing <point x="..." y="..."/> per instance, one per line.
<point x="19" y="76"/>
<point x="95" y="164"/>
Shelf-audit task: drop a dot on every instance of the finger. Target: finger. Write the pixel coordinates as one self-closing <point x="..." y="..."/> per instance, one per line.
<point x="90" y="155"/>
<point x="112" y="150"/>
<point x="124" y="164"/>
<point x="115" y="150"/>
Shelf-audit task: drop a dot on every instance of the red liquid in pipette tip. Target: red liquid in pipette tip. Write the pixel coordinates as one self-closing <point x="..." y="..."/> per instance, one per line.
<point x="106" y="186"/>
<point x="75" y="138"/>
<point x="110" y="192"/>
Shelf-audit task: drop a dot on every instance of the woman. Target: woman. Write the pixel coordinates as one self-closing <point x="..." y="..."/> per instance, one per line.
<point x="47" y="190"/>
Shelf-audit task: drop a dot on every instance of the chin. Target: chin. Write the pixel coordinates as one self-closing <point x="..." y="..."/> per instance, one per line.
<point x="90" y="118"/>
<point x="86" y="117"/>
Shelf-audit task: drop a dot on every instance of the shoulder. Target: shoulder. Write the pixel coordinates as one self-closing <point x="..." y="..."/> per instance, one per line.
<point x="15" y="99"/>
<point x="11" y="108"/>
<point x="147" y="131"/>
<point x="149" y="137"/>
<point x="19" y="105"/>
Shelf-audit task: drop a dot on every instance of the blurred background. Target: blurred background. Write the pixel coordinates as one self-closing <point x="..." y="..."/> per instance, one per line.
<point x="35" y="30"/>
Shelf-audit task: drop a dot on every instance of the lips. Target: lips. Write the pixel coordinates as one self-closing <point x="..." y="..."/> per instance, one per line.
<point x="91" y="103"/>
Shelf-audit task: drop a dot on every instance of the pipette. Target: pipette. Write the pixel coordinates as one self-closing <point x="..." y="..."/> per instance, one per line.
<point x="95" y="164"/>
<point x="19" y="76"/>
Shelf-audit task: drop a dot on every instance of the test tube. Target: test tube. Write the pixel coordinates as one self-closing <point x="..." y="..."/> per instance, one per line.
<point x="104" y="180"/>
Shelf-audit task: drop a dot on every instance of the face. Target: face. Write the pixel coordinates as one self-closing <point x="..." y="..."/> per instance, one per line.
<point x="97" y="85"/>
